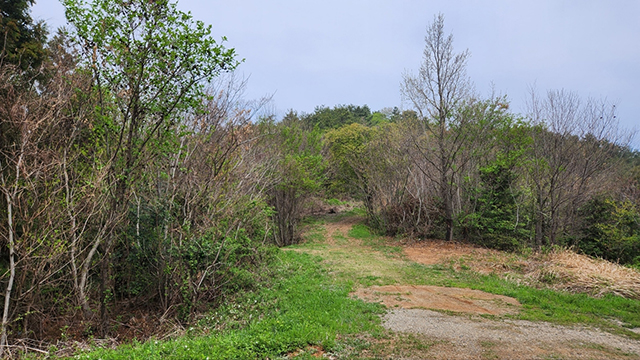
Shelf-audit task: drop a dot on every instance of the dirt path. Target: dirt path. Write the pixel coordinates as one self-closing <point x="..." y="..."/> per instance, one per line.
<point x="463" y="332"/>
<point x="341" y="228"/>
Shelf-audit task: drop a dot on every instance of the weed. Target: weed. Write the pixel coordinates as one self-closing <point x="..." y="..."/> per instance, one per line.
<point x="360" y="231"/>
<point x="335" y="202"/>
<point x="357" y="211"/>
<point x="401" y="345"/>
<point x="605" y="349"/>
<point x="375" y="242"/>
<point x="300" y="306"/>
<point x="339" y="238"/>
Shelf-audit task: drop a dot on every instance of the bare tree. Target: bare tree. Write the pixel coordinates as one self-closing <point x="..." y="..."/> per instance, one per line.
<point x="200" y="193"/>
<point x="30" y="227"/>
<point x="574" y="145"/>
<point x="437" y="92"/>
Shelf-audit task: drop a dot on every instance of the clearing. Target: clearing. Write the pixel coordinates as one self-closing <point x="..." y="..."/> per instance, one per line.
<point x="456" y="301"/>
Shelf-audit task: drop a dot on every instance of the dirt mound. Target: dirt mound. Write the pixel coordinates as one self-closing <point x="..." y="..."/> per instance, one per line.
<point x="437" y="252"/>
<point x="439" y="298"/>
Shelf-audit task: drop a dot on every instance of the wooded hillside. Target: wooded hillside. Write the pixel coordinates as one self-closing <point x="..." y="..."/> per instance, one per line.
<point x="135" y="175"/>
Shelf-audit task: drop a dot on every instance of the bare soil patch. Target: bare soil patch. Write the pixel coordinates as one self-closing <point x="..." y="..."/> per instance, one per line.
<point x="433" y="252"/>
<point x="440" y="298"/>
<point x="315" y="351"/>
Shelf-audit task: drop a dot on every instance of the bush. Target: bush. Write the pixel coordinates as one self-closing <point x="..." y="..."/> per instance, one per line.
<point x="410" y="218"/>
<point x="497" y="223"/>
<point x="610" y="230"/>
<point x="195" y="268"/>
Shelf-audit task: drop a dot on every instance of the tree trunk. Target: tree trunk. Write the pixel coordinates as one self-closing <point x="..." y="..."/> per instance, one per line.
<point x="12" y="267"/>
<point x="12" y="247"/>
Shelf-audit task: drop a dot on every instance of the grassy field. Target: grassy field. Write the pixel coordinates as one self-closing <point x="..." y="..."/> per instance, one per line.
<point x="304" y="309"/>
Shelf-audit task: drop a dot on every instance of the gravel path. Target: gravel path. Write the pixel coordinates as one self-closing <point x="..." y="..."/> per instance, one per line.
<point x="481" y="338"/>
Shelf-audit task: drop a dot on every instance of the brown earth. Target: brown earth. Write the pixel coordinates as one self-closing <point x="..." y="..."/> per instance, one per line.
<point x="465" y="332"/>
<point x="440" y="298"/>
<point x="432" y="252"/>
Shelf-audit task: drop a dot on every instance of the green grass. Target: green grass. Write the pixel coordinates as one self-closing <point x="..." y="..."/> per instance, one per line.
<point x="375" y="242"/>
<point x="357" y="211"/>
<point x="335" y="202"/>
<point x="538" y="304"/>
<point x="302" y="305"/>
<point x="360" y="231"/>
<point x="402" y="346"/>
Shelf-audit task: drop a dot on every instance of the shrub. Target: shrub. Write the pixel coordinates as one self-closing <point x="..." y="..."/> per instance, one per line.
<point x="411" y="218"/>
<point x="611" y="230"/>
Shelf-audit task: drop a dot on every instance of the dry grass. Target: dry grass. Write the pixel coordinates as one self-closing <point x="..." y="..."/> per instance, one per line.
<point x="579" y="273"/>
<point x="561" y="269"/>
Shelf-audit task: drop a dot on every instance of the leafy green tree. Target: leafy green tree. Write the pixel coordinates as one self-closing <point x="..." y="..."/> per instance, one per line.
<point x="347" y="147"/>
<point x="499" y="216"/>
<point x="326" y="118"/>
<point x="150" y="62"/>
<point x="300" y="167"/>
<point x="611" y="230"/>
<point x="498" y="221"/>
<point x="371" y="164"/>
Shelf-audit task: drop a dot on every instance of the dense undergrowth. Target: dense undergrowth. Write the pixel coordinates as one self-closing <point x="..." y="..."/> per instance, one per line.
<point x="300" y="305"/>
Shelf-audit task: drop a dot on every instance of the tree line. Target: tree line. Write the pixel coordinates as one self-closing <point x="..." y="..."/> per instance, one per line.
<point x="135" y="174"/>
<point x="457" y="166"/>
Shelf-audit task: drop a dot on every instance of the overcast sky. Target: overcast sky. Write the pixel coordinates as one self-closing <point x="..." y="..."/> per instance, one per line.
<point x="330" y="52"/>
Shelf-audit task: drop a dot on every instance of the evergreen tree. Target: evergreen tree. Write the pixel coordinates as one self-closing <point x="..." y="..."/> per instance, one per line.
<point x="23" y="40"/>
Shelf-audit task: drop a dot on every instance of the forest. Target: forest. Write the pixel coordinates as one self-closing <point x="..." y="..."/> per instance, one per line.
<point x="135" y="174"/>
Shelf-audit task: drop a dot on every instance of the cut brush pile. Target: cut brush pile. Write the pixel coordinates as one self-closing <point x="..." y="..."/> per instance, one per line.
<point x="560" y="269"/>
<point x="579" y="273"/>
